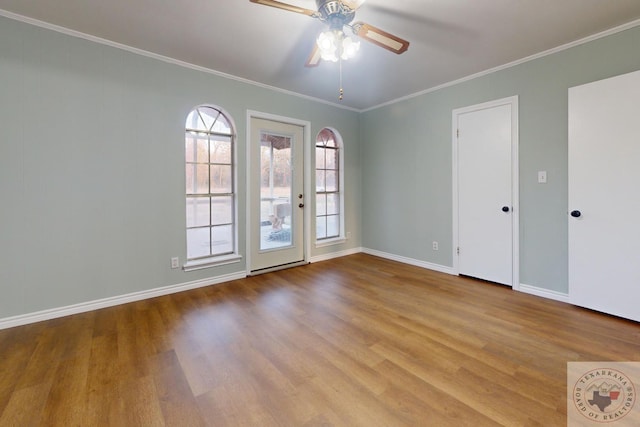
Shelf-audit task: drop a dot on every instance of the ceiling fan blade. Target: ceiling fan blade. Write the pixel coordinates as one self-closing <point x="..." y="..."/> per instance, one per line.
<point x="285" y="6"/>
<point x="353" y="4"/>
<point x="315" y="57"/>
<point x="381" y="38"/>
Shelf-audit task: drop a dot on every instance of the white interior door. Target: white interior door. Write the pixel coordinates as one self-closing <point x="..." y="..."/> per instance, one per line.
<point x="485" y="148"/>
<point x="276" y="198"/>
<point x="604" y="201"/>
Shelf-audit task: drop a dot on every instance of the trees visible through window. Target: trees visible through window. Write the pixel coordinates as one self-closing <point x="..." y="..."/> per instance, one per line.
<point x="329" y="220"/>
<point x="210" y="187"/>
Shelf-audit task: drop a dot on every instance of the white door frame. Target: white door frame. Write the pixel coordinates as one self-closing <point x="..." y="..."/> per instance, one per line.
<point x="513" y="102"/>
<point x="306" y="125"/>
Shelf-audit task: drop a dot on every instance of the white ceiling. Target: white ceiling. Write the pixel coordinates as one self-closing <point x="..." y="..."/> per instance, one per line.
<point x="450" y="39"/>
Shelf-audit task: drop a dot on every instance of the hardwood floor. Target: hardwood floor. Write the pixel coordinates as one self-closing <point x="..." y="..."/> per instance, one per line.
<point x="355" y="341"/>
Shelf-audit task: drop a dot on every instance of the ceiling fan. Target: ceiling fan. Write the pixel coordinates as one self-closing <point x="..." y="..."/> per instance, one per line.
<point x="333" y="44"/>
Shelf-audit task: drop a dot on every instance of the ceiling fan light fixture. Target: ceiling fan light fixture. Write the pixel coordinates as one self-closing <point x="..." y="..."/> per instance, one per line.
<point x="331" y="57"/>
<point x="328" y="42"/>
<point x="333" y="44"/>
<point x="349" y="48"/>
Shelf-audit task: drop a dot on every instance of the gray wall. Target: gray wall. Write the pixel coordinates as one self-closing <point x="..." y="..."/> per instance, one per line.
<point x="92" y="173"/>
<point x="407" y="158"/>
<point x="92" y="166"/>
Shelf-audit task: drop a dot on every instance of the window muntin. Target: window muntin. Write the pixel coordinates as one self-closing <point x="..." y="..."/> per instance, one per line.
<point x="210" y="186"/>
<point x="328" y="186"/>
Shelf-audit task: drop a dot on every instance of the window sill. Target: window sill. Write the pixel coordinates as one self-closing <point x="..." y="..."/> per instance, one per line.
<point x="211" y="262"/>
<point x="330" y="242"/>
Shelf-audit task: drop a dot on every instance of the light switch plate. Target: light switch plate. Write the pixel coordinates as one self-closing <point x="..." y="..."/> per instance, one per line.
<point x="542" y="177"/>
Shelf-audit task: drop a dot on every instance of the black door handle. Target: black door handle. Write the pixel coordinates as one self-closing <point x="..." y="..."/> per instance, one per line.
<point x="576" y="214"/>
<point x="301" y="205"/>
<point x="505" y="209"/>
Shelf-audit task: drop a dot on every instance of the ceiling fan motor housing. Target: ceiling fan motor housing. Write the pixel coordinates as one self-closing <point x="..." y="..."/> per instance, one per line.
<point x="335" y="13"/>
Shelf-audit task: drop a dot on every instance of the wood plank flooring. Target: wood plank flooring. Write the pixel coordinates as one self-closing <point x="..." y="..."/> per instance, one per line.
<point x="355" y="341"/>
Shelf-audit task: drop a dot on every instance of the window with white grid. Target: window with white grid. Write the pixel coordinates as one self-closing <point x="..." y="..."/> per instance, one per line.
<point x="210" y="185"/>
<point x="329" y="184"/>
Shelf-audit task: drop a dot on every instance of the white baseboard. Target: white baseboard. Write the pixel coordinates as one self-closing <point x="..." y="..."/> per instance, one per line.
<point x="54" y="313"/>
<point x="83" y="307"/>
<point x="333" y="255"/>
<point x="410" y="261"/>
<point x="528" y="289"/>
<point x="545" y="293"/>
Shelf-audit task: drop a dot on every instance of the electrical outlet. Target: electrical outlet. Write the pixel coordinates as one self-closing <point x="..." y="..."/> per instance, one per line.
<point x="434" y="245"/>
<point x="175" y="262"/>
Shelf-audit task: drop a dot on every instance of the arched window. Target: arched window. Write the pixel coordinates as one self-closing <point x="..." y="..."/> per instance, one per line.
<point x="210" y="187"/>
<point x="329" y="187"/>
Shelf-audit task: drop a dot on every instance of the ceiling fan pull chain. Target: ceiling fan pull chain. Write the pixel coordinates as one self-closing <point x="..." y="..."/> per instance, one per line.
<point x="341" y="91"/>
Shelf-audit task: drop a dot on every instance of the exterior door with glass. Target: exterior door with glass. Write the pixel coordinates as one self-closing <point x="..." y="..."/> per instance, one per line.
<point x="276" y="199"/>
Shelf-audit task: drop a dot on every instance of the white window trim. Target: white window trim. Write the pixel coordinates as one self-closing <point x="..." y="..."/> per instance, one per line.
<point x="330" y="242"/>
<point x="213" y="261"/>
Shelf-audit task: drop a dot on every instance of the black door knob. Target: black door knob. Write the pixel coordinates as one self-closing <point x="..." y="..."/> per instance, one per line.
<point x="505" y="209"/>
<point x="576" y="214"/>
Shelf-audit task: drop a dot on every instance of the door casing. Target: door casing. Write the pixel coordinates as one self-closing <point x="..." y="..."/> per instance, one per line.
<point x="515" y="212"/>
<point x="306" y="125"/>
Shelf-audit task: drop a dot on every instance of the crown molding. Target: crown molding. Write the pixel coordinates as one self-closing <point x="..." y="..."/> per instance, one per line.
<point x="99" y="40"/>
<point x="539" y="55"/>
<point x="173" y="61"/>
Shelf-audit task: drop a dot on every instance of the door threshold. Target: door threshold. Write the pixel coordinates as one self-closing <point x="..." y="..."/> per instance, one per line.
<point x="277" y="267"/>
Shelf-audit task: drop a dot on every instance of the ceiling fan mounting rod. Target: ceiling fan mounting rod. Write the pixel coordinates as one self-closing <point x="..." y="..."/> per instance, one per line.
<point x="335" y="13"/>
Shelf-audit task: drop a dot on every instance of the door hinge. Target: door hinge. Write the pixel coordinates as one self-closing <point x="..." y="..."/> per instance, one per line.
<point x="457" y="133"/>
<point x="458" y="250"/>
